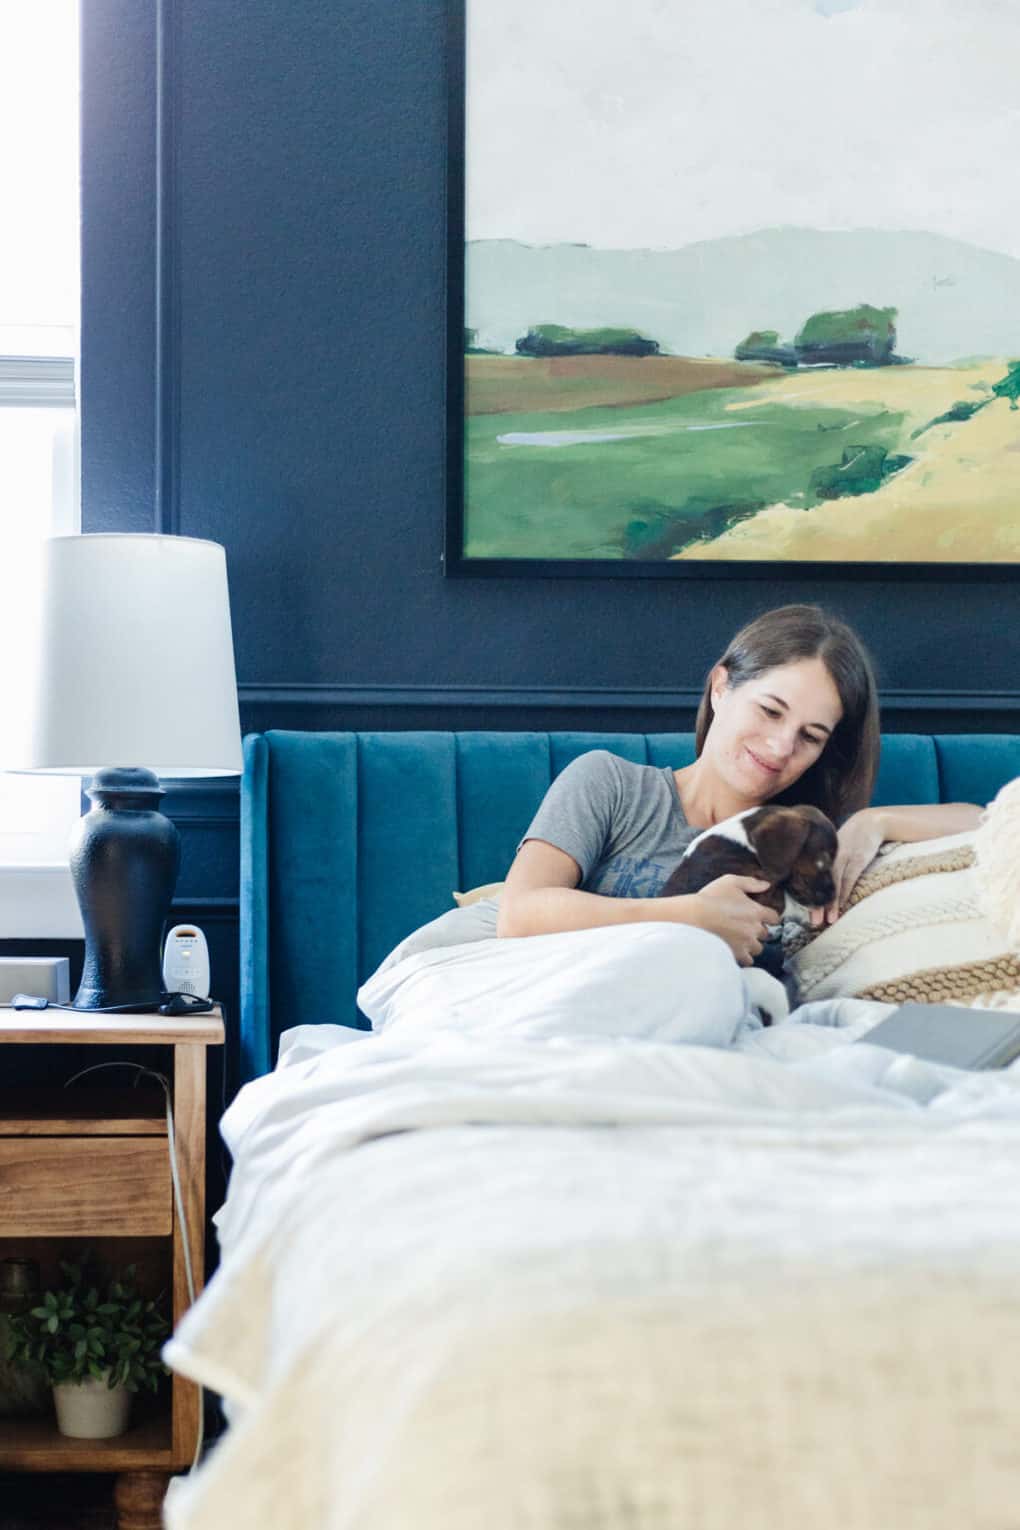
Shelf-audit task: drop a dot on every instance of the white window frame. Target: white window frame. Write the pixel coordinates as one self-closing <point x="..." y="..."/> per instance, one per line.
<point x="40" y="180"/>
<point x="37" y="899"/>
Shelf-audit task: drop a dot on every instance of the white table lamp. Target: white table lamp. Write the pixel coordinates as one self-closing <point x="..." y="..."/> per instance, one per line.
<point x="135" y="680"/>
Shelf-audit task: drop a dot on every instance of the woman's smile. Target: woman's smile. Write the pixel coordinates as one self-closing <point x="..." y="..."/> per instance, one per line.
<point x="771" y="770"/>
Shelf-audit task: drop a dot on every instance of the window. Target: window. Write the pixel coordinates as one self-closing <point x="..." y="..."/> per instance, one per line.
<point x="39" y="286"/>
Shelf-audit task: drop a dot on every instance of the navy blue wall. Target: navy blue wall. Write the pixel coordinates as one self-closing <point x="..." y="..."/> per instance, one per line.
<point x="263" y="344"/>
<point x="303" y="228"/>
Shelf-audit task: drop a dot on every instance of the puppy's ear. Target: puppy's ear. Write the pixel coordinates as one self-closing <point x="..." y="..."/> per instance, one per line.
<point x="820" y="820"/>
<point x="777" y="836"/>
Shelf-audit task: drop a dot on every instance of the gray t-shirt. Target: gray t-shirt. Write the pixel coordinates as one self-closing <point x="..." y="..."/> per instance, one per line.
<point x="622" y="823"/>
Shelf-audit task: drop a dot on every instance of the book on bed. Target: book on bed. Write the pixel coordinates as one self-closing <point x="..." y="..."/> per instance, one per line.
<point x="948" y="1033"/>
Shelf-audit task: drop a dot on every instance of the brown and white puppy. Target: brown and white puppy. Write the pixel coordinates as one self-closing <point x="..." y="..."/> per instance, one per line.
<point x="793" y="848"/>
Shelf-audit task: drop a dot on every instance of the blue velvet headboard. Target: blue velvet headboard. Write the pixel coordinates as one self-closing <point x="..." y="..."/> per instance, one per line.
<point x="351" y="840"/>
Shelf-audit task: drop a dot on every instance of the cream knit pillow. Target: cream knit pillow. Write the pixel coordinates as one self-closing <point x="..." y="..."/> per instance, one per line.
<point x="916" y="929"/>
<point x="476" y="894"/>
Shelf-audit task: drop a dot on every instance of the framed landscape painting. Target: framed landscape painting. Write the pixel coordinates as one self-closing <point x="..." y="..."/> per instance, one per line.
<point x="734" y="287"/>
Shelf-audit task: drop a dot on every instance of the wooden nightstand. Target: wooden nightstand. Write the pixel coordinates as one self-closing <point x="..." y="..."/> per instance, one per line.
<point x="93" y="1163"/>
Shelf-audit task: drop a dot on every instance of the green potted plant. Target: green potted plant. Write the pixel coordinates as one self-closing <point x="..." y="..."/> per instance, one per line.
<point x="96" y="1340"/>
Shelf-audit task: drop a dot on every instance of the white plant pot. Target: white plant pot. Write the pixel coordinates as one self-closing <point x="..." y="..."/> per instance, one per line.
<point x="90" y="1410"/>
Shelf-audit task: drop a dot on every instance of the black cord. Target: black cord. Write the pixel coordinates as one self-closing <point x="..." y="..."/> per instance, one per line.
<point x="226" y="1162"/>
<point x="170" y="1004"/>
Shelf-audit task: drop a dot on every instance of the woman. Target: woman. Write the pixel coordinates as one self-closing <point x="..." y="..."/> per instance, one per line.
<point x="789" y="714"/>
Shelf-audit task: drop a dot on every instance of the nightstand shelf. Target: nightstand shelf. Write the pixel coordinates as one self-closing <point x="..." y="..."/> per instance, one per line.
<point x="77" y="1112"/>
<point x="91" y="1162"/>
<point x="36" y="1445"/>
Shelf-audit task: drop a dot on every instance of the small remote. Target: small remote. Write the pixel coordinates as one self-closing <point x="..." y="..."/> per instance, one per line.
<point x="186" y="961"/>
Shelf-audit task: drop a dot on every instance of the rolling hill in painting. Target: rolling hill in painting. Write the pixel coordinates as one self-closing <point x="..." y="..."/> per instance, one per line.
<point x="953" y="300"/>
<point x="691" y="454"/>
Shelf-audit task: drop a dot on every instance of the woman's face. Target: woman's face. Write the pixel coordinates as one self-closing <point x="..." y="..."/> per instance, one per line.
<point x="768" y="731"/>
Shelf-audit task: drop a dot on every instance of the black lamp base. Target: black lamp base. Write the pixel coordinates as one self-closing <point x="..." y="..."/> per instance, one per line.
<point x="124" y="859"/>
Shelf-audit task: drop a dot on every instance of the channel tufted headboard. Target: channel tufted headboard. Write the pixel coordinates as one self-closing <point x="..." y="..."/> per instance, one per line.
<point x="351" y="840"/>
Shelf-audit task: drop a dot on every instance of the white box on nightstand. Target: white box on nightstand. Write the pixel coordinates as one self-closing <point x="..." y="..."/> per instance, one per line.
<point x="46" y="977"/>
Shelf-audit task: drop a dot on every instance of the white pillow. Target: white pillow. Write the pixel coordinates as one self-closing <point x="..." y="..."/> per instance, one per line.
<point x="457" y="927"/>
<point x="997" y="857"/>
<point x="654" y="982"/>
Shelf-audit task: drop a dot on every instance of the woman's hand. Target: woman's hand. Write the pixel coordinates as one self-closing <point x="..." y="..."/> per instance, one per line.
<point x="727" y="908"/>
<point x="859" y="839"/>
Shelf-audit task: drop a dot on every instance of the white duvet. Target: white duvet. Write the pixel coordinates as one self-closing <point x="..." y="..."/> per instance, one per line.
<point x="572" y="1243"/>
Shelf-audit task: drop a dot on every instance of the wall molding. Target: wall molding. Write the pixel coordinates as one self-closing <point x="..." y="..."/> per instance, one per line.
<point x="581" y="698"/>
<point x="209" y="800"/>
<point x="219" y="910"/>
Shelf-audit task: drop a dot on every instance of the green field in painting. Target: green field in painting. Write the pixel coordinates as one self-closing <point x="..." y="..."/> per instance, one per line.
<point x="646" y="480"/>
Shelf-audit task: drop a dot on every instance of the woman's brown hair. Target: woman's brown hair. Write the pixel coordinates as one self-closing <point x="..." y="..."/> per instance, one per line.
<point x="841" y="779"/>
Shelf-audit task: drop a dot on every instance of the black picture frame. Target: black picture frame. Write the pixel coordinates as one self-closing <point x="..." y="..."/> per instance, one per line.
<point x="457" y="565"/>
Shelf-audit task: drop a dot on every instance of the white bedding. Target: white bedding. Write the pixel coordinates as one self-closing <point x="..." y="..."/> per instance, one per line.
<point x="481" y="1273"/>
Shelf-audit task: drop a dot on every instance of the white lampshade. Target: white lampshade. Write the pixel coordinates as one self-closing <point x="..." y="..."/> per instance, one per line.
<point x="135" y="660"/>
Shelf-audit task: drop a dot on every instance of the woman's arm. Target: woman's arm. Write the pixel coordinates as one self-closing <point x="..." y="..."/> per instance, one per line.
<point x="541" y="897"/>
<point x="864" y="832"/>
<point x="925" y="820"/>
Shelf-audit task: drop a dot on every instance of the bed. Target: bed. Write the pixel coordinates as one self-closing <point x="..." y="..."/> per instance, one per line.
<point x="569" y="1241"/>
